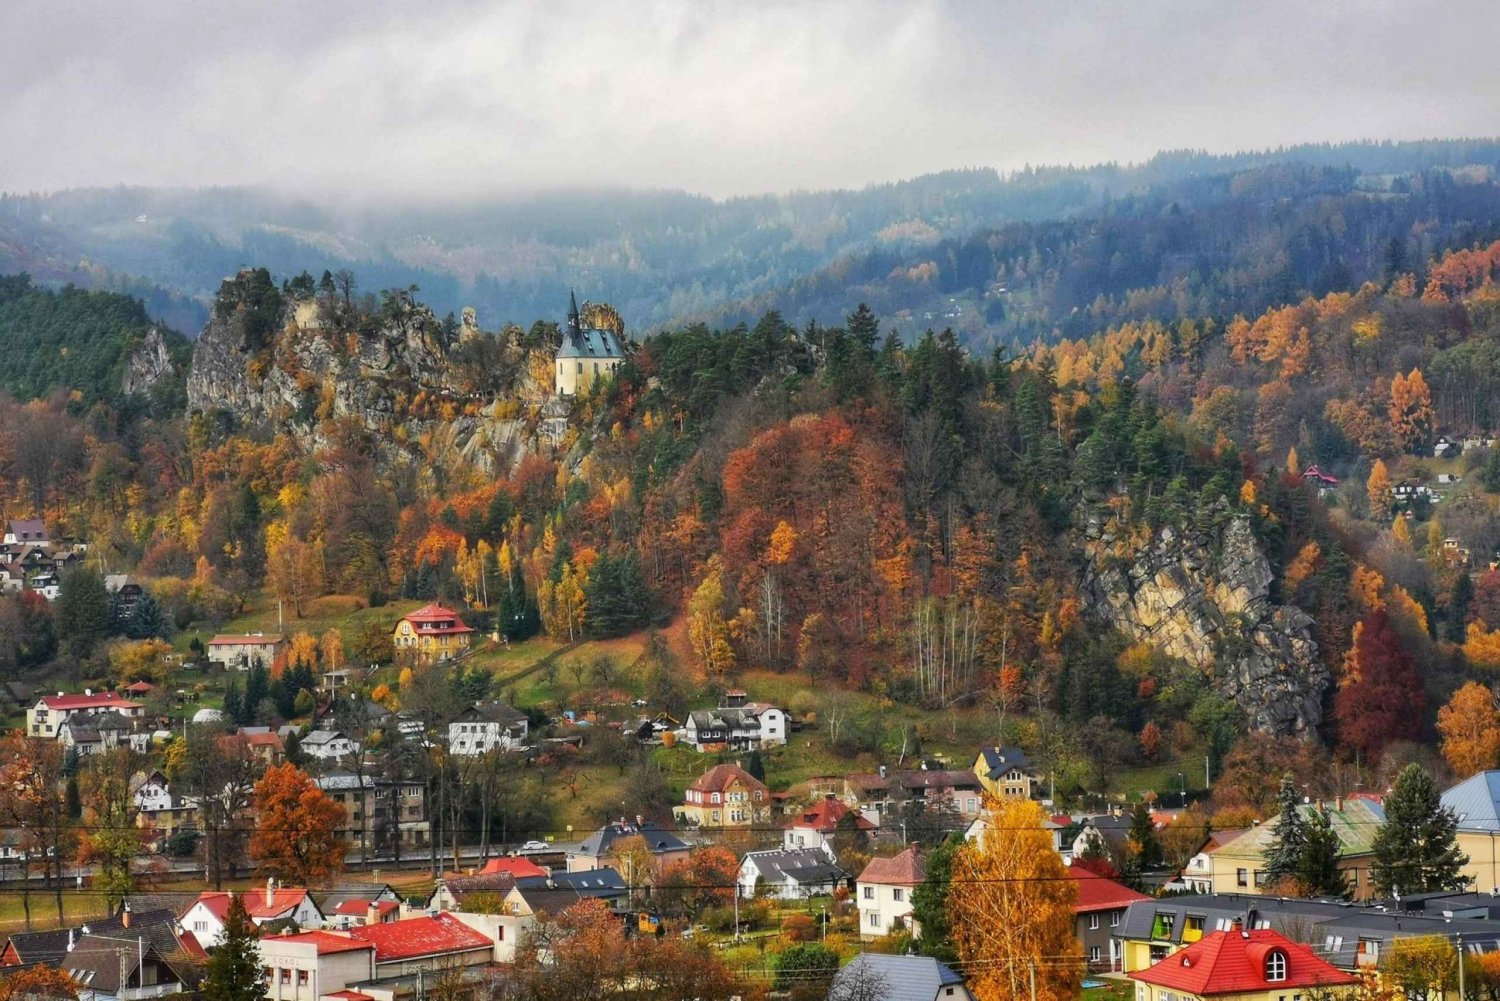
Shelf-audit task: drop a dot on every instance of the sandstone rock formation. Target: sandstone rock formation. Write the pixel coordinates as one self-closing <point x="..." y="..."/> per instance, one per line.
<point x="147" y="364"/>
<point x="1204" y="596"/>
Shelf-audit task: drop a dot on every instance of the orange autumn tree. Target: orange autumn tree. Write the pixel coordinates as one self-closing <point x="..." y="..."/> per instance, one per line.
<point x="1470" y="728"/>
<point x="1011" y="902"/>
<point x="38" y="982"/>
<point x="1411" y="407"/>
<point x="296" y="837"/>
<point x="1378" y="488"/>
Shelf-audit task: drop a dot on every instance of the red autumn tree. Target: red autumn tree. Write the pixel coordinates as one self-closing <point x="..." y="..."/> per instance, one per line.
<point x="295" y="837"/>
<point x="1380" y="698"/>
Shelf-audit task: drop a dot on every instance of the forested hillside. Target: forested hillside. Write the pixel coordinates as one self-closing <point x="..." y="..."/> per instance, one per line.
<point x="79" y="342"/>
<point x="1109" y="542"/>
<point x="1056" y="237"/>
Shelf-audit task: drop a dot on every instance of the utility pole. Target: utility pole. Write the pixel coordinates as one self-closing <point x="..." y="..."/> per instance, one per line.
<point x="1031" y="970"/>
<point x="1461" y="994"/>
<point x="1207" y="781"/>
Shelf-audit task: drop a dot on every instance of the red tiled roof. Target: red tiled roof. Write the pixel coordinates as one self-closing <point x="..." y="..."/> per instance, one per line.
<point x="436" y="620"/>
<point x="824" y="816"/>
<point x="245" y="639"/>
<point x="720" y="777"/>
<point x="517" y="867"/>
<point x="351" y="996"/>
<point x="283" y="901"/>
<point x="1096" y="893"/>
<point x="905" y="869"/>
<point x="1233" y="962"/>
<point x="416" y="937"/>
<point x="191" y="945"/>
<point x="267" y="739"/>
<point x="62" y="703"/>
<point x="359" y="908"/>
<point x="140" y="687"/>
<point x="326" y="942"/>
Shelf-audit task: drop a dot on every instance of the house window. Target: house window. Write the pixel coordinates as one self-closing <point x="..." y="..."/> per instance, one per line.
<point x="1093" y="922"/>
<point x="1276" y="966"/>
<point x="1114" y="918"/>
<point x="898" y="894"/>
<point x="286" y="975"/>
<point x="1093" y="954"/>
<point x="301" y="978"/>
<point x="874" y="919"/>
<point x="1162" y="926"/>
<point x="869" y="893"/>
<point x="1242" y="877"/>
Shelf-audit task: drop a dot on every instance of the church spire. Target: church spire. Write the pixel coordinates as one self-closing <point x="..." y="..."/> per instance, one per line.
<point x="573" y="309"/>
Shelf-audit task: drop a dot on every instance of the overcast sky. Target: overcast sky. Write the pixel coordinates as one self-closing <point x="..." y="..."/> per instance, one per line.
<point x="442" y="98"/>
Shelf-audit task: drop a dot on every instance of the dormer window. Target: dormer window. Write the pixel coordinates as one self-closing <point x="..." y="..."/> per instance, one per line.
<point x="1275" y="966"/>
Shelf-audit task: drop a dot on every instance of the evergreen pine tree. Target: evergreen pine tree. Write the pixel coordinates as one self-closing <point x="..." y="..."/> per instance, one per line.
<point x="1416" y="851"/>
<point x="233" y="972"/>
<point x="755" y="766"/>
<point x="1143" y="836"/>
<point x="148" y="620"/>
<point x="82" y="610"/>
<point x="929" y="902"/>
<point x="1318" y="872"/>
<point x="1288" y="835"/>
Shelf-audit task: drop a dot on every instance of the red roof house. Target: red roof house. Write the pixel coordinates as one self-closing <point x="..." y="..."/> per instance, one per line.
<point x="905" y="869"/>
<point x="434" y="619"/>
<point x="515" y="867"/>
<point x="1257" y="963"/>
<point x="1096" y="893"/>
<point x="441" y="937"/>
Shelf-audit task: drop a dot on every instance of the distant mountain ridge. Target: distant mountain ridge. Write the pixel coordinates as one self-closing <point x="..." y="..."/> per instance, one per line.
<point x="659" y="256"/>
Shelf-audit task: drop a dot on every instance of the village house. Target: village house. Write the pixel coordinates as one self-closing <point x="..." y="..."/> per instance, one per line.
<point x="121" y="967"/>
<point x="497" y="877"/>
<point x="206" y="917"/>
<point x="124" y="591"/>
<point x="261" y="742"/>
<point x="1005" y="773"/>
<point x="1197" y="876"/>
<point x="790" y="874"/>
<point x="356" y="794"/>
<point x="51" y="711"/>
<point x="814" y="827"/>
<point x="940" y="790"/>
<point x="356" y="913"/>
<point x="160" y="812"/>
<point x="328" y="745"/>
<point x="1239" y="866"/>
<point x="1097" y="916"/>
<point x="432" y="632"/>
<point x="736" y="725"/>
<point x="883" y="893"/>
<point x="725" y="796"/>
<point x="899" y="978"/>
<point x="310" y="965"/>
<point x="1475" y="803"/>
<point x="586" y="354"/>
<point x="1246" y="964"/>
<point x="486" y="727"/>
<point x="243" y="651"/>
<point x="26" y="531"/>
<point x="598" y="850"/>
<point x="95" y="733"/>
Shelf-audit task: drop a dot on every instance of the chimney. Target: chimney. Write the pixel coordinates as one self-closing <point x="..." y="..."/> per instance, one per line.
<point x="125" y="916"/>
<point x="89" y="692"/>
<point x="71" y="941"/>
<point x="270" y="891"/>
<point x="372" y="914"/>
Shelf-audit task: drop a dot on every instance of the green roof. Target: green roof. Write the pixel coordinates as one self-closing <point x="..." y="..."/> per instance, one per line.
<point x="1356" y="823"/>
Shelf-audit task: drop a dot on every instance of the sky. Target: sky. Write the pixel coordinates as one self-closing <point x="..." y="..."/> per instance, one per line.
<point x="445" y="99"/>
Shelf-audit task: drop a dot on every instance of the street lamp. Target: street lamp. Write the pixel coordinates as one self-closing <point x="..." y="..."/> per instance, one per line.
<point x="1183" y="779"/>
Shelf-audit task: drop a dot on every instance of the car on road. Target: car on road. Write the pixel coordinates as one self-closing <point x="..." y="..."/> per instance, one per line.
<point x="535" y="846"/>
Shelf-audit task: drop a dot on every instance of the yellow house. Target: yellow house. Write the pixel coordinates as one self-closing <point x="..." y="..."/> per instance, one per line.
<point x="432" y="632"/>
<point x="725" y="796"/>
<point x="1241" y="965"/>
<point x="1005" y="773"/>
<point x="1239" y="866"/>
<point x="1475" y="803"/>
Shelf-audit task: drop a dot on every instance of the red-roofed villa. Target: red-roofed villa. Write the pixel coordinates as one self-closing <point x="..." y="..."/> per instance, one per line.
<point x="432" y="632"/>
<point x="1257" y="965"/>
<point x="884" y="891"/>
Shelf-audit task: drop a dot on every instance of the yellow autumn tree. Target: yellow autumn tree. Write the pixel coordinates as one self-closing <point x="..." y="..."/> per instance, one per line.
<point x="1293" y="464"/>
<point x="1400" y="531"/>
<point x="1378" y="487"/>
<point x="1307" y="561"/>
<point x="1482" y="646"/>
<point x="1247" y="493"/>
<point x="1365" y="586"/>
<point x="1470" y="728"/>
<point x="1411" y="407"/>
<point x="1011" y="905"/>
<point x="304" y="650"/>
<point x="707" y="628"/>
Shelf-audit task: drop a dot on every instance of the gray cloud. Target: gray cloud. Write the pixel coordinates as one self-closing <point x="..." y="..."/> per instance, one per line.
<point x="444" y="98"/>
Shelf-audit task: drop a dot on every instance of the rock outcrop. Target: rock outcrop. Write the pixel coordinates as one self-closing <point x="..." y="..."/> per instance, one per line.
<point x="147" y="365"/>
<point x="397" y="383"/>
<point x="1204" y="596"/>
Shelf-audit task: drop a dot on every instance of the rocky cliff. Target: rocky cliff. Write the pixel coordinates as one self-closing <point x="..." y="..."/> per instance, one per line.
<point x="1203" y="595"/>
<point x="147" y="365"/>
<point x="399" y="380"/>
